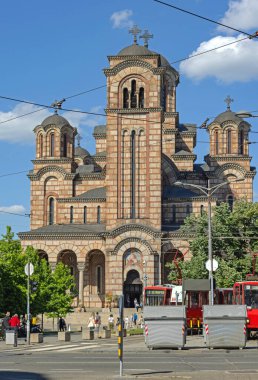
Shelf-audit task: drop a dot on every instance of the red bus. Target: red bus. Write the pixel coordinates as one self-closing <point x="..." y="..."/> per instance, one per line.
<point x="162" y="295"/>
<point x="194" y="295"/>
<point x="246" y="293"/>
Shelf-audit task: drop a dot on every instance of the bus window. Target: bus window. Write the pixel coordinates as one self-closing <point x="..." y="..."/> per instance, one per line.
<point x="154" y="297"/>
<point x="251" y="295"/>
<point x="238" y="298"/>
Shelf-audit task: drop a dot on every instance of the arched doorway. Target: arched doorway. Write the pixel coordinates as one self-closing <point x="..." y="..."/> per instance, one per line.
<point x="132" y="288"/>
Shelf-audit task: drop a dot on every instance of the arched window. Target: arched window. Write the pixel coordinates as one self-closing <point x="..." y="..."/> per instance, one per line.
<point x="98" y="215"/>
<point x="133" y="175"/>
<point x="99" y="278"/>
<point x="125" y="98"/>
<point x="133" y="94"/>
<point x="230" y="202"/>
<point x="51" y="211"/>
<point x="71" y="214"/>
<point x="85" y="215"/>
<point x="201" y="210"/>
<point x="229" y="142"/>
<point x="141" y="97"/>
<point x="52" y="145"/>
<point x="40" y="145"/>
<point x="216" y="142"/>
<point x="174" y="213"/>
<point x="187" y="210"/>
<point x="65" y="145"/>
<point x="241" y="142"/>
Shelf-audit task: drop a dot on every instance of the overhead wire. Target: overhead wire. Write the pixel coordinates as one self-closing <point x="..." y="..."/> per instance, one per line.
<point x="202" y="17"/>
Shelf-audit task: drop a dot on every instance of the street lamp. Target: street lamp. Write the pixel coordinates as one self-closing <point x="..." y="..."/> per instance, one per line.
<point x="209" y="191"/>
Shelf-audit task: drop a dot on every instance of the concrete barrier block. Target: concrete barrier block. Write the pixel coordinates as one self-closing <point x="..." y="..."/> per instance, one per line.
<point x="87" y="334"/>
<point x="64" y="336"/>
<point x="36" y="338"/>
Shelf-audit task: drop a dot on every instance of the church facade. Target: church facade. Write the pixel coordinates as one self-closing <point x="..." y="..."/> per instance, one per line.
<point x="114" y="217"/>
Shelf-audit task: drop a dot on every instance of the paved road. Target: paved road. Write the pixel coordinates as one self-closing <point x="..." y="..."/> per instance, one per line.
<point x="97" y="359"/>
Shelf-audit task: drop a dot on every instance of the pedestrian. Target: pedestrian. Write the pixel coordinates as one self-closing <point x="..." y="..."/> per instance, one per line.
<point x="135" y="302"/>
<point x="91" y="321"/>
<point x="14" y="322"/>
<point x="5" y="323"/>
<point x="97" y="322"/>
<point x="62" y="324"/>
<point x="135" y="317"/>
<point x="111" y="322"/>
<point x="126" y="323"/>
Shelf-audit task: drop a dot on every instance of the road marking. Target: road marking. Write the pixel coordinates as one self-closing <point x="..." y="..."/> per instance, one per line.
<point x="50" y="348"/>
<point x="78" y="348"/>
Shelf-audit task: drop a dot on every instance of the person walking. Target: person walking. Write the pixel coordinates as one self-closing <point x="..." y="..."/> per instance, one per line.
<point x="14" y="322"/>
<point x="111" y="322"/>
<point x="135" y="317"/>
<point x="5" y="323"/>
<point x="91" y="321"/>
<point x="62" y="324"/>
<point x="97" y="322"/>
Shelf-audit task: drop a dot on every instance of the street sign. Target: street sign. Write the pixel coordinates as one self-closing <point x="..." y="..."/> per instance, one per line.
<point x="28" y="269"/>
<point x="215" y="265"/>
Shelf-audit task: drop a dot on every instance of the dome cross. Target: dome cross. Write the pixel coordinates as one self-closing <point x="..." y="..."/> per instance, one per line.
<point x="228" y="101"/>
<point x="135" y="31"/>
<point x="146" y="36"/>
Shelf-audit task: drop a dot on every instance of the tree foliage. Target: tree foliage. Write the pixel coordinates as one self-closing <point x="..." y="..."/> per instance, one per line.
<point x="51" y="286"/>
<point x="234" y="240"/>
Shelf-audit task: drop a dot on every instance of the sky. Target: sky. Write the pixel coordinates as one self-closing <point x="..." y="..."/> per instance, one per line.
<point x="55" y="50"/>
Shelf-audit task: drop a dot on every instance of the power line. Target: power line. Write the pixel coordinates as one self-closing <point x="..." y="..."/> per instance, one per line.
<point x="9" y="174"/>
<point x="204" y="18"/>
<point x="17" y="117"/>
<point x="14" y="213"/>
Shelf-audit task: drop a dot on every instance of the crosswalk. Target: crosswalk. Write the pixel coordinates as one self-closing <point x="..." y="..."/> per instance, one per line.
<point x="77" y="346"/>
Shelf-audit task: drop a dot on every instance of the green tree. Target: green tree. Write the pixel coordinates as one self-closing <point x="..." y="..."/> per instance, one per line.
<point x="61" y="286"/>
<point x="13" y="280"/>
<point x="234" y="239"/>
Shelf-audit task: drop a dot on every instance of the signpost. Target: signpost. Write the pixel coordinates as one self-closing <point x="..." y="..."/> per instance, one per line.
<point x="121" y="333"/>
<point x="215" y="265"/>
<point x="28" y="269"/>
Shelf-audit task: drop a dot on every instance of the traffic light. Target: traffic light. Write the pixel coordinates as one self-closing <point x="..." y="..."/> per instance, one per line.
<point x="33" y="286"/>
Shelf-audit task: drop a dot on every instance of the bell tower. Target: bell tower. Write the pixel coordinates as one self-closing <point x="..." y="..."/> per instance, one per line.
<point x="138" y="96"/>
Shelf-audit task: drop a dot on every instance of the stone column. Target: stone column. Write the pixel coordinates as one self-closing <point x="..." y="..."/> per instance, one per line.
<point x="81" y="268"/>
<point x="52" y="266"/>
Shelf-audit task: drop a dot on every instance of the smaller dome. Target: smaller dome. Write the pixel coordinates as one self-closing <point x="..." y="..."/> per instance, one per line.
<point x="57" y="120"/>
<point x="227" y="116"/>
<point x="135" y="50"/>
<point x="81" y="152"/>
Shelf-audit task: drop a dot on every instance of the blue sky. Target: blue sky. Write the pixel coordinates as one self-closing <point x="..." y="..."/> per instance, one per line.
<point x="54" y="50"/>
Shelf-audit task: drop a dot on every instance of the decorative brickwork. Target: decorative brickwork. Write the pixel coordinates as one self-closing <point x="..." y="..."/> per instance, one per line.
<point x="114" y="216"/>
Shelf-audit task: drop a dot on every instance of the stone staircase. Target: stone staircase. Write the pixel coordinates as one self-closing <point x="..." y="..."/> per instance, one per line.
<point x="75" y="321"/>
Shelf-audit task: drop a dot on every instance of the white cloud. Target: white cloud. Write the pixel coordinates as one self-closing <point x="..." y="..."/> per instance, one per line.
<point x="242" y="15"/>
<point x="21" y="130"/>
<point x="121" y="19"/>
<point x="233" y="63"/>
<point x="16" y="209"/>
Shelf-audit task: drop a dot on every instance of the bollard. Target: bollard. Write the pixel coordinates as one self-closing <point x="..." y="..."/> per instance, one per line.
<point x="15" y="340"/>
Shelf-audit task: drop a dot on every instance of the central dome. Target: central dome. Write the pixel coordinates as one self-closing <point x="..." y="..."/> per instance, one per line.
<point x="142" y="50"/>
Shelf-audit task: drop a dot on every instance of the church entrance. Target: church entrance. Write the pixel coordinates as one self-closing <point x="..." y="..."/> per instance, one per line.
<point x="132" y="288"/>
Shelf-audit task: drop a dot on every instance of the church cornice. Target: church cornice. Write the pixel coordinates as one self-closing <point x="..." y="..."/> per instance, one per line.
<point x="80" y="200"/>
<point x="60" y="236"/>
<point x="229" y="158"/>
<point x="47" y="161"/>
<point x="170" y="114"/>
<point x="97" y="176"/>
<point x="133" y="110"/>
<point x="98" y="136"/>
<point x="47" y="169"/>
<point x="133" y="227"/>
<point x="134" y="61"/>
<point x="188" y="157"/>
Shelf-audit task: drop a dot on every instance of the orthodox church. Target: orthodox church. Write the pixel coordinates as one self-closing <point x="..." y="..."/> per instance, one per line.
<point x="114" y="217"/>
